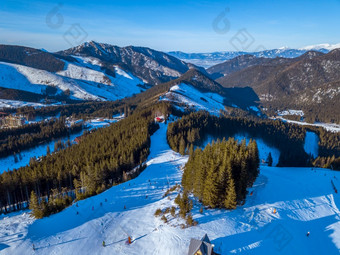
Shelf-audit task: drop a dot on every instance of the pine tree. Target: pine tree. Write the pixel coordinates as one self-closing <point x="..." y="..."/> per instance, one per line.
<point x="270" y="159"/>
<point x="35" y="206"/>
<point x="230" y="201"/>
<point x="210" y="192"/>
<point x="182" y="146"/>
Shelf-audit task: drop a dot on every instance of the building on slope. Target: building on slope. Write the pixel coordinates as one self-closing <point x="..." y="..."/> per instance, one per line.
<point x="201" y="247"/>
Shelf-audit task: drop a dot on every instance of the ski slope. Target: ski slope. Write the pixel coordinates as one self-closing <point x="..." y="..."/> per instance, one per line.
<point x="192" y="97"/>
<point x="303" y="197"/>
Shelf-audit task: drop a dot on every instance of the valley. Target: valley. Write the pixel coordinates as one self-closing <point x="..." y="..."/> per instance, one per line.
<point x="118" y="182"/>
<point x="252" y="227"/>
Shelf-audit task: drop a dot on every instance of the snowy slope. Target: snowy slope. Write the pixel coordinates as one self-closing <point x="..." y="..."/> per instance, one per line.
<point x="15" y="103"/>
<point x="303" y="197"/>
<point x="190" y="96"/>
<point x="83" y="82"/>
<point x="11" y="77"/>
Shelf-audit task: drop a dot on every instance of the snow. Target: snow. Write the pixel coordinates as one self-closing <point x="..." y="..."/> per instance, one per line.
<point x="187" y="94"/>
<point x="328" y="126"/>
<point x="254" y="108"/>
<point x="123" y="85"/>
<point x="303" y="197"/>
<point x="12" y="78"/>
<point x="4" y="103"/>
<point x="291" y="112"/>
<point x="326" y="46"/>
<point x="84" y="83"/>
<point x="312" y="144"/>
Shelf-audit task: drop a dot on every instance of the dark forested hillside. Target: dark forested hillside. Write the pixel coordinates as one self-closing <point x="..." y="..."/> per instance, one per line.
<point x="309" y="82"/>
<point x="242" y="62"/>
<point x="102" y="159"/>
<point x="30" y="57"/>
<point x="194" y="128"/>
<point x="15" y="140"/>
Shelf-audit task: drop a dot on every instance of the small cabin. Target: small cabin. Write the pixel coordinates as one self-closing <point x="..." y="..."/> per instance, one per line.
<point x="159" y="119"/>
<point x="201" y="247"/>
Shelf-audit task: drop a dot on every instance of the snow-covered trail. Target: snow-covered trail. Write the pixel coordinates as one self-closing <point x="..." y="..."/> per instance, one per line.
<point x="83" y="233"/>
<point x="304" y="200"/>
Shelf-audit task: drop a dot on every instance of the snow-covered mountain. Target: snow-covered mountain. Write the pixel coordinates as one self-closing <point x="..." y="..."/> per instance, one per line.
<point x="77" y="80"/>
<point x="153" y="67"/>
<point x="91" y="71"/>
<point x="321" y="47"/>
<point x="207" y="60"/>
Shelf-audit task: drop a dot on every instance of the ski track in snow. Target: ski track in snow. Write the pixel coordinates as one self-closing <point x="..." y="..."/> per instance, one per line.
<point x="303" y="197"/>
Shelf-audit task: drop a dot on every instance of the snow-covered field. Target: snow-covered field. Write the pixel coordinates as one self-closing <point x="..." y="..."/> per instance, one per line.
<point x="192" y="97"/>
<point x="303" y="198"/>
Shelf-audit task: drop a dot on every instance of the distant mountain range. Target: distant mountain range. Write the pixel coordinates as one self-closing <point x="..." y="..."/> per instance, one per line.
<point x="207" y="60"/>
<point x="310" y="82"/>
<point x="277" y="79"/>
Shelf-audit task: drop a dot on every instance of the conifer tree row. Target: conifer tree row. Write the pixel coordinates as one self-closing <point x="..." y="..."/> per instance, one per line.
<point x="194" y="128"/>
<point x="17" y="139"/>
<point x="220" y="174"/>
<point x="328" y="162"/>
<point x="100" y="160"/>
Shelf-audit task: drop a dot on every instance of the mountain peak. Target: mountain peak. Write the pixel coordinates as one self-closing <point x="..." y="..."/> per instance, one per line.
<point x="323" y="46"/>
<point x="311" y="54"/>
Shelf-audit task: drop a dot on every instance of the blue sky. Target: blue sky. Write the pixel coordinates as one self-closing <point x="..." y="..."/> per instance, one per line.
<point x="191" y="26"/>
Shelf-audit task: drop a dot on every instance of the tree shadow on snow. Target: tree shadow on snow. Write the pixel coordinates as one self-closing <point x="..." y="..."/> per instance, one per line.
<point x="49" y="246"/>
<point x="3" y="246"/>
<point x="134" y="194"/>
